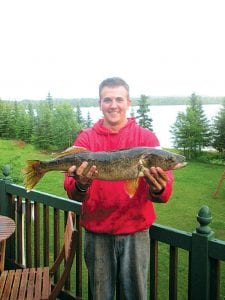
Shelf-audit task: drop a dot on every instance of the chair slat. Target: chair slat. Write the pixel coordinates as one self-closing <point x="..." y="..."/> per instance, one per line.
<point x="16" y="284"/>
<point x="30" y="283"/>
<point x="23" y="284"/>
<point x="2" y="282"/>
<point x="46" y="283"/>
<point x="38" y="283"/>
<point x="8" y="284"/>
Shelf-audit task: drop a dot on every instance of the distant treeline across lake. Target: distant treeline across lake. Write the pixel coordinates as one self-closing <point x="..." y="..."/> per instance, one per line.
<point x="152" y="100"/>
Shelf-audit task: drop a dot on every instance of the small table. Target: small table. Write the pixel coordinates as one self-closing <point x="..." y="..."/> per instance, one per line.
<point x="7" y="227"/>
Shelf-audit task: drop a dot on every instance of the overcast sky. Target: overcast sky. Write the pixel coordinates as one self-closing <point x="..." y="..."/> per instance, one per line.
<point x="160" y="47"/>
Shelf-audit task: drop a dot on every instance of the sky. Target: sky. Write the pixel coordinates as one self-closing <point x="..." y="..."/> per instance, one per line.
<point x="160" y="47"/>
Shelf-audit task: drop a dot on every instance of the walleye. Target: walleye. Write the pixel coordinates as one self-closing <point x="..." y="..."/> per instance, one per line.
<point x="124" y="164"/>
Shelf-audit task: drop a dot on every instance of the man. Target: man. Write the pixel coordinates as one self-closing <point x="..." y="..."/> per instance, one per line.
<point x="117" y="226"/>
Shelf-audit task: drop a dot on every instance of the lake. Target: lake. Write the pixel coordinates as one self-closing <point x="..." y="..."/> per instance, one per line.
<point x="163" y="117"/>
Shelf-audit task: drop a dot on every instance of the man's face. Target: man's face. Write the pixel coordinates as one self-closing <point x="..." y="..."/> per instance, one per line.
<point x="114" y="103"/>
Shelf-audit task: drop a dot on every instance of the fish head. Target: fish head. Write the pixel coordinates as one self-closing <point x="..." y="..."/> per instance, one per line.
<point x="165" y="160"/>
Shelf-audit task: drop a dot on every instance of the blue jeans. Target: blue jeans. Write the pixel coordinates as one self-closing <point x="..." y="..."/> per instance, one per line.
<point x="106" y="254"/>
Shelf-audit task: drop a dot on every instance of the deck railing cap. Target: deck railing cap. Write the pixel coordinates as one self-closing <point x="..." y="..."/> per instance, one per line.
<point x="204" y="218"/>
<point x="6" y="173"/>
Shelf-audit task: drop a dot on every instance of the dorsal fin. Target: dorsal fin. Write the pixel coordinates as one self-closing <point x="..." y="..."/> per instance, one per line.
<point x="72" y="150"/>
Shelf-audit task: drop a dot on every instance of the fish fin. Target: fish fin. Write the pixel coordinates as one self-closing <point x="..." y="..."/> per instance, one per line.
<point x="33" y="173"/>
<point x="131" y="186"/>
<point x="72" y="150"/>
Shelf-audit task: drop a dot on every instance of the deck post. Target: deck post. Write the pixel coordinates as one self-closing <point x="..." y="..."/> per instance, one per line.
<point x="4" y="204"/>
<point x="199" y="258"/>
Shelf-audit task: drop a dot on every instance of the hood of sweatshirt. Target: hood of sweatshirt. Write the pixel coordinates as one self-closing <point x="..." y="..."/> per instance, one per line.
<point x="111" y="140"/>
<point x="100" y="129"/>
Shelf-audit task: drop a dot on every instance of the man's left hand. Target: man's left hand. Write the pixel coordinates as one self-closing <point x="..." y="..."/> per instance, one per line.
<point x="156" y="178"/>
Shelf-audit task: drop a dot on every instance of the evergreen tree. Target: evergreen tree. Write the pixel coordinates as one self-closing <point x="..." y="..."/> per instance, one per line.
<point x="43" y="128"/>
<point x="219" y="130"/>
<point x="30" y="121"/>
<point x="65" y="127"/>
<point x="4" y="110"/>
<point x="143" y="113"/>
<point x="79" y="116"/>
<point x="7" y="120"/>
<point x="21" y="123"/>
<point x="179" y="131"/>
<point x="88" y="121"/>
<point x="49" y="101"/>
<point x="191" y="131"/>
<point x="13" y="120"/>
<point x="202" y="127"/>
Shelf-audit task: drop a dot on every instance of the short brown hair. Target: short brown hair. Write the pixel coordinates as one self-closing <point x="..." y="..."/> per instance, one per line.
<point x="113" y="82"/>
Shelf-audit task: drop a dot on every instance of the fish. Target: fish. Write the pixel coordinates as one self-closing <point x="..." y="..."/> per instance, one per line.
<point x="124" y="164"/>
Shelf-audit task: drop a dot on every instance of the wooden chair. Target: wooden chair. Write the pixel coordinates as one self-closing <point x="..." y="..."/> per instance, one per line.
<point x="35" y="283"/>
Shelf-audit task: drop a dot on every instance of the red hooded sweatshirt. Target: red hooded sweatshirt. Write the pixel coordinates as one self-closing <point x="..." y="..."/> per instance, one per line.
<point x="108" y="208"/>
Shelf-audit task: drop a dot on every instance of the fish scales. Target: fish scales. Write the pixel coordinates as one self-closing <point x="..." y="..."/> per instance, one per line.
<point x="110" y="165"/>
<point x="123" y="164"/>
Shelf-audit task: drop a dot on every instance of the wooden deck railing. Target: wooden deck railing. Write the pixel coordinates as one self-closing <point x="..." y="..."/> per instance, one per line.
<point x="204" y="255"/>
<point x="182" y="265"/>
<point x="40" y="220"/>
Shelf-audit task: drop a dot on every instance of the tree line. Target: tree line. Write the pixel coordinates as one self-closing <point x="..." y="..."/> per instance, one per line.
<point x="44" y="124"/>
<point x="54" y="125"/>
<point x="151" y="100"/>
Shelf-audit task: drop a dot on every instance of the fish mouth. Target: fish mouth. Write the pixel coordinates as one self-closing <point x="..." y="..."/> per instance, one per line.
<point x="180" y="165"/>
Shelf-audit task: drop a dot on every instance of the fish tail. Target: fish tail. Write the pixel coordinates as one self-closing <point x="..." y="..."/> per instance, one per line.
<point x="33" y="173"/>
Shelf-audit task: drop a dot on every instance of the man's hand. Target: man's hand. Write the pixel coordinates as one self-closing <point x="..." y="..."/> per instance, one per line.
<point x="156" y="178"/>
<point x="83" y="178"/>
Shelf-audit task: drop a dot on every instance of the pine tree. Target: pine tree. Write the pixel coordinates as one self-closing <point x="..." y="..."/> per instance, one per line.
<point x="191" y="131"/>
<point x="143" y="113"/>
<point x="219" y="130"/>
<point x="202" y="128"/>
<point x="21" y="123"/>
<point x="43" y="128"/>
<point x="65" y="126"/>
<point x="79" y="116"/>
<point x="49" y="100"/>
<point x="30" y="121"/>
<point x="4" y="120"/>
<point x="88" y="121"/>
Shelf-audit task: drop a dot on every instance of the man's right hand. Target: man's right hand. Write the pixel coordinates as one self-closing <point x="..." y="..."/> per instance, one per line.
<point x="82" y="177"/>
